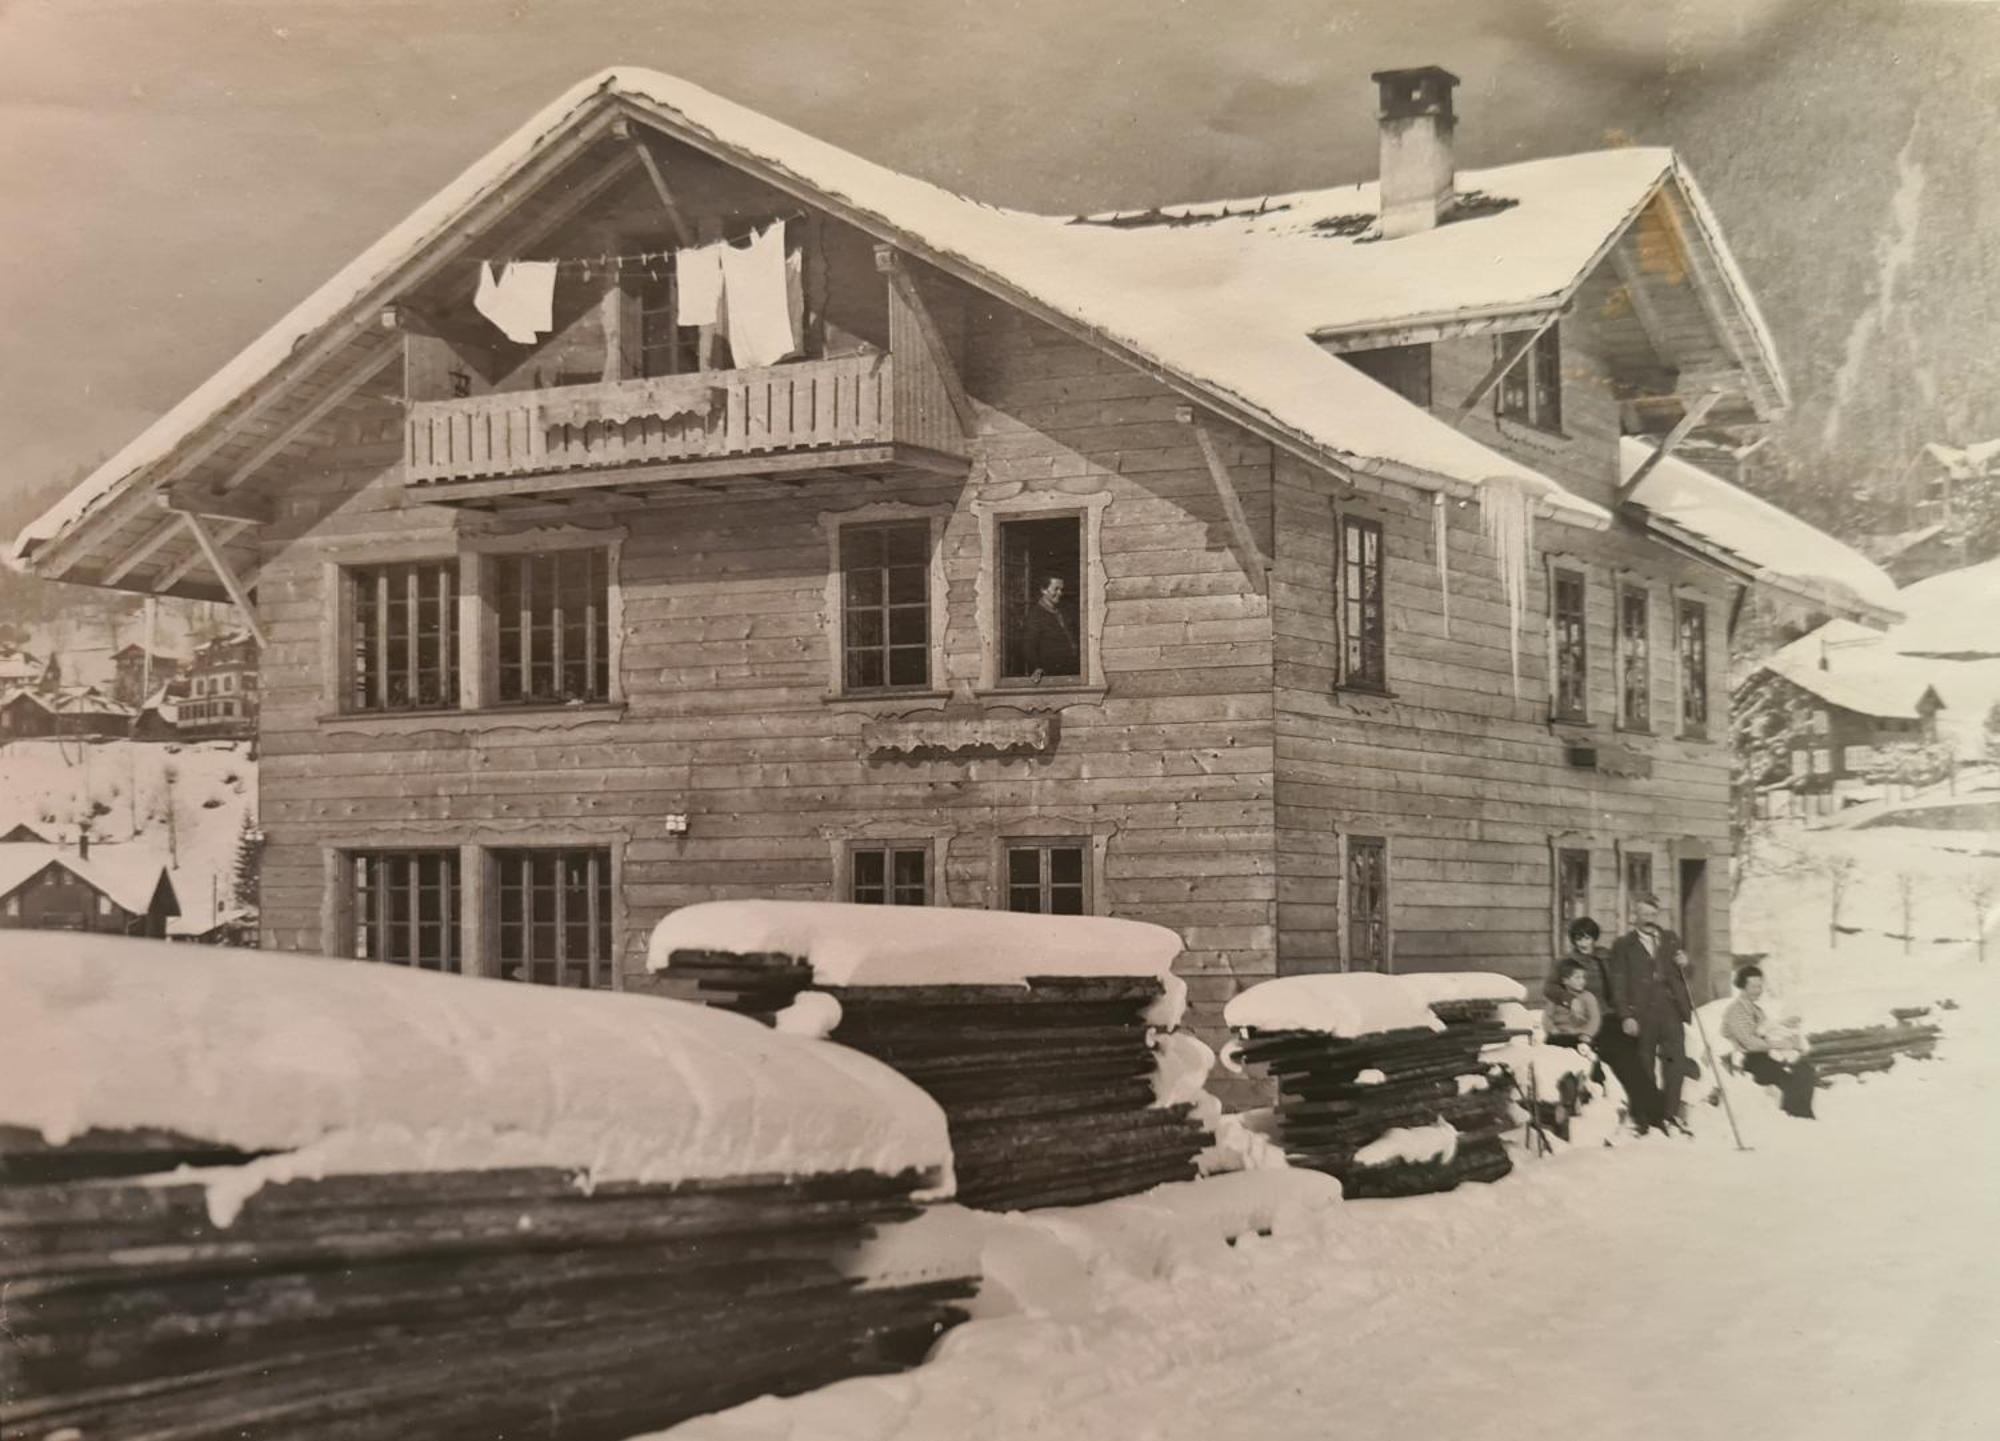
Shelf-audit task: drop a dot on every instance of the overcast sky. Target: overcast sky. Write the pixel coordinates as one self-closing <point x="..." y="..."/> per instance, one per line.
<point x="177" y="173"/>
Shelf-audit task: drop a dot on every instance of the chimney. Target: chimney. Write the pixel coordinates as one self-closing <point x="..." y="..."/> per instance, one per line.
<point x="1417" y="171"/>
<point x="83" y="843"/>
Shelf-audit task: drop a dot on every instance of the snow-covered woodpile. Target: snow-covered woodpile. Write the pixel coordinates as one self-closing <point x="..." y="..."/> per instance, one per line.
<point x="1039" y="1036"/>
<point x="1848" y="1050"/>
<point x="1382" y="1079"/>
<point x="431" y="1206"/>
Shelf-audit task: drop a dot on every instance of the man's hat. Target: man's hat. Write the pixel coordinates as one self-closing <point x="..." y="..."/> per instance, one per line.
<point x="1645" y="898"/>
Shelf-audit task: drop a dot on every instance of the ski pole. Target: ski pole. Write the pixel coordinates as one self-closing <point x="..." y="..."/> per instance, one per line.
<point x="1716" y="1071"/>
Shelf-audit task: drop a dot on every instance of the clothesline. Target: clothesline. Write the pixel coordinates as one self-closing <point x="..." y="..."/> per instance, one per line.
<point x="643" y="258"/>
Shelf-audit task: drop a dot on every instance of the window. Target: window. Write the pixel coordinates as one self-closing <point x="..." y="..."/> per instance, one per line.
<point x="404" y="636"/>
<point x="1531" y="391"/>
<point x="1635" y="695"/>
<point x="1048" y="877"/>
<point x="554" y="917"/>
<point x="1405" y="369"/>
<point x="885" y="606"/>
<point x="889" y="875"/>
<point x="14" y="906"/>
<point x="1822" y="762"/>
<point x="1572" y="655"/>
<point x="1363" y="626"/>
<point x="1572" y="888"/>
<point x="1801" y="762"/>
<point x="1822" y="723"/>
<point x="405" y="908"/>
<point x="664" y="347"/>
<point x="1638" y="878"/>
<point x="1694" y="667"/>
<point x="1367" y="903"/>
<point x="104" y="905"/>
<point x="552" y="626"/>
<point x="1041" y="599"/>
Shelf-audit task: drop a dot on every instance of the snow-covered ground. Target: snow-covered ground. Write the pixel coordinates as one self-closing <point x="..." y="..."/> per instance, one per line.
<point x="187" y="803"/>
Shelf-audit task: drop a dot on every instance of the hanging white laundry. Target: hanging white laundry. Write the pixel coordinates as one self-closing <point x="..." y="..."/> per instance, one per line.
<point x="698" y="273"/>
<point x="795" y="294"/>
<point x="760" y="316"/>
<point x="521" y="299"/>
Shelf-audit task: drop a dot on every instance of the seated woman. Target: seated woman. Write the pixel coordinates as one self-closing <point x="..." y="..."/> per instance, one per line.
<point x="1770" y="1055"/>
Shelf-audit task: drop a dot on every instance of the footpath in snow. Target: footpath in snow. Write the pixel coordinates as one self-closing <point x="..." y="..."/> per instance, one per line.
<point x="1836" y="1281"/>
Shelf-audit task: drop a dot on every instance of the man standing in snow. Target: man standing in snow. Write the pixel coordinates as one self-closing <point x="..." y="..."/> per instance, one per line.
<point x="1652" y="1004"/>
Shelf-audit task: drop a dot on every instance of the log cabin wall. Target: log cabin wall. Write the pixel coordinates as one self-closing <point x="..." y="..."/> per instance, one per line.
<point x="726" y="712"/>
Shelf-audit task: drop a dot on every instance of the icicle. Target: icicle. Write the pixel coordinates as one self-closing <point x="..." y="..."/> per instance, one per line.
<point x="1438" y="543"/>
<point x="1507" y="517"/>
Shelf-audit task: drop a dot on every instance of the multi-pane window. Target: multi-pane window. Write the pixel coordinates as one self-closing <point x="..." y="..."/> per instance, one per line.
<point x="1635" y="659"/>
<point x="1694" y="667"/>
<point x="1572" y="887"/>
<point x="554" y="916"/>
<point x="1572" y="654"/>
<point x="1638" y="879"/>
<point x="1041" y="599"/>
<point x="1364" y="640"/>
<point x="885" y="599"/>
<point x="889" y="875"/>
<point x="1531" y="390"/>
<point x="405" y="908"/>
<point x="552" y="626"/>
<point x="1048" y="876"/>
<point x="404" y="627"/>
<point x="665" y="347"/>
<point x="1367" y="903"/>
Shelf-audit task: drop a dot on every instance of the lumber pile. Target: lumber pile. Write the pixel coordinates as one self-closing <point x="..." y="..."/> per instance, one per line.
<point x="1856" y="1050"/>
<point x="1363" y="1058"/>
<point x="455" y="1306"/>
<point x="1032" y="1033"/>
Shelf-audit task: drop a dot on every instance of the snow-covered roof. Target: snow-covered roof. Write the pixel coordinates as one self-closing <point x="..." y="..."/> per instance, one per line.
<point x="1848" y="665"/>
<point x="853" y="945"/>
<point x="1781" y="548"/>
<point x="348" y="1067"/>
<point x="1349" y="1005"/>
<point x="1951" y="614"/>
<point x="129" y="875"/>
<point x="1439" y="987"/>
<point x="1964" y="462"/>
<point x="1225" y="308"/>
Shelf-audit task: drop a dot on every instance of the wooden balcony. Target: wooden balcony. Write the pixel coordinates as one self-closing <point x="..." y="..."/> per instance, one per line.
<point x="871" y="411"/>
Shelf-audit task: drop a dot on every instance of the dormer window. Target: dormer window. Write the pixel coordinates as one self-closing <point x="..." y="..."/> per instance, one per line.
<point x="1531" y="392"/>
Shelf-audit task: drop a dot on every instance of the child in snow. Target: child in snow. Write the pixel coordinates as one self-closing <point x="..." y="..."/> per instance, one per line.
<point x="1770" y="1053"/>
<point x="1573" y="1016"/>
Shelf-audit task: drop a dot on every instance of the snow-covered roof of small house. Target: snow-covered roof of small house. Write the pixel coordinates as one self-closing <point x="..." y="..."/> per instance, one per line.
<point x="18" y="665"/>
<point x="1951" y="614"/>
<point x="1226" y="308"/>
<point x="1783" y="550"/>
<point x="87" y="700"/>
<point x="347" y="1067"/>
<point x="12" y="693"/>
<point x="1849" y="666"/>
<point x="129" y="875"/>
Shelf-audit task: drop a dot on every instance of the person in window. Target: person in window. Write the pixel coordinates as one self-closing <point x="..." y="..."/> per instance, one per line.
<point x="1048" y="640"/>
<point x="1771" y="1053"/>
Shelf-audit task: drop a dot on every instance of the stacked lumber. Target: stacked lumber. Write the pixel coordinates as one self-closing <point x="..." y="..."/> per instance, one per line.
<point x="458" y="1306"/>
<point x="245" y="1195"/>
<point x="1048" y="1079"/>
<point x="1362" y="1059"/>
<point x="1856" y="1050"/>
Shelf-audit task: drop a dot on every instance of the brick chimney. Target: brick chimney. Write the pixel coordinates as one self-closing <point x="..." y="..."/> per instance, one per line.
<point x="1417" y="169"/>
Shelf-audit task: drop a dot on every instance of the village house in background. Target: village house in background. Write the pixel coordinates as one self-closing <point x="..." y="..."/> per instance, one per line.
<point x="113" y="890"/>
<point x="1312" y="574"/>
<point x="217" y="698"/>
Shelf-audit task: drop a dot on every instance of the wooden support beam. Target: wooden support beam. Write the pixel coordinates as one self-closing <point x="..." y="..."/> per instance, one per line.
<point x="139" y="554"/>
<point x="623" y="129"/>
<point x="1690" y="418"/>
<point x="171" y="577"/>
<point x="1509" y="356"/>
<point x="406" y="318"/>
<point x="225" y="573"/>
<point x="1251" y="556"/>
<point x="889" y="261"/>
<point x="209" y="505"/>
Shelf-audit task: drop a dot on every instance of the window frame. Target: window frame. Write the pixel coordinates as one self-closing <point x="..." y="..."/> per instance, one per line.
<point x="1629" y="590"/>
<point x="601" y="918"/>
<point x="1567" y="850"/>
<point x="349" y="638"/>
<point x="1559" y="706"/>
<point x="1693" y="668"/>
<point x="1351" y="847"/>
<point x="1632" y="856"/>
<point x="886" y="607"/>
<point x="1044" y="845"/>
<point x="452" y="919"/>
<point x="1042" y="505"/>
<point x="1346" y="675"/>
<point x="833" y="524"/>
<point x="1003" y="607"/>
<point x="1530" y="390"/>
<point x="495" y="627"/>
<point x="889" y="849"/>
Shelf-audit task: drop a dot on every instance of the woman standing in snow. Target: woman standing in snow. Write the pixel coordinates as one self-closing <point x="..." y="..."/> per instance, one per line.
<point x="1770" y="1055"/>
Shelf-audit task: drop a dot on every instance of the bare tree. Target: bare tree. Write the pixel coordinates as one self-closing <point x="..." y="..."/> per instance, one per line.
<point x="1906" y="896"/>
<point x="1981" y="891"/>
<point x="1839" y="872"/>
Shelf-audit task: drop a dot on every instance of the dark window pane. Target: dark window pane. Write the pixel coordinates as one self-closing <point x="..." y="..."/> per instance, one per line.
<point x="1040" y="602"/>
<point x="1024" y="867"/>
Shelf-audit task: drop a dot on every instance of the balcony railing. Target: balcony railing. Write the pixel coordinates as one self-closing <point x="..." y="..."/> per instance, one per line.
<point x="833" y="406"/>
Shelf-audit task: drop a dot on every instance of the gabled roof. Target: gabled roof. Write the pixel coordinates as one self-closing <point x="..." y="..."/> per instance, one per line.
<point x="129" y="875"/>
<point x="1776" y="546"/>
<point x="1847" y="665"/>
<point x="1225" y="310"/>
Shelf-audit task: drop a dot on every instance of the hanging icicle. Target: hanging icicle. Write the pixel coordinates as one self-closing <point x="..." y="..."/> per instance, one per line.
<point x="1438" y="548"/>
<point x="1507" y="517"/>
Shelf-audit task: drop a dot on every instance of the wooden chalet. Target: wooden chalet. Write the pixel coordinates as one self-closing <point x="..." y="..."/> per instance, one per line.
<point x="112" y="890"/>
<point x="218" y="697"/>
<point x="1271" y="570"/>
